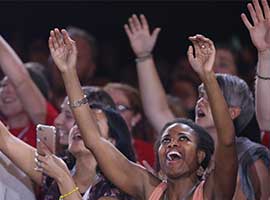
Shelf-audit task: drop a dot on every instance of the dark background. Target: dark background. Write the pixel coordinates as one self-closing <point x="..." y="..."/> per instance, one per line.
<point x="22" y="22"/>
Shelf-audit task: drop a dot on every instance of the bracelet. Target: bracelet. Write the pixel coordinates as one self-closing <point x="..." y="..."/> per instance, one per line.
<point x="262" y="77"/>
<point x="79" y="102"/>
<point x="69" y="193"/>
<point x="143" y="58"/>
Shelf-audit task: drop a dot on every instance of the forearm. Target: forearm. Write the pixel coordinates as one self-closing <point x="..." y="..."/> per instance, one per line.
<point x="32" y="99"/>
<point x="113" y="164"/>
<point x="67" y="187"/>
<point x="11" y="64"/>
<point x="225" y="147"/>
<point x="20" y="154"/>
<point x="220" y="111"/>
<point x="82" y="114"/>
<point x="153" y="94"/>
<point x="262" y="94"/>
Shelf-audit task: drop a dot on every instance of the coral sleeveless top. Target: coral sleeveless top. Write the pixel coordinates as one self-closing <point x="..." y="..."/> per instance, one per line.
<point x="160" y="189"/>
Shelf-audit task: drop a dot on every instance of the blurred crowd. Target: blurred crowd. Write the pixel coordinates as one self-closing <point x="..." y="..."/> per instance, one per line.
<point x="195" y="129"/>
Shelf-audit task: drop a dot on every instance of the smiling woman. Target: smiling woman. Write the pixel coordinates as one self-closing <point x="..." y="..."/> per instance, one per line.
<point x="183" y="149"/>
<point x="188" y="133"/>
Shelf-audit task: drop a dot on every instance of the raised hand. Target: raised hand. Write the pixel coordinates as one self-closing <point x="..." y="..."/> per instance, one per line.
<point x="204" y="58"/>
<point x="141" y="41"/>
<point x="260" y="30"/>
<point x="63" y="49"/>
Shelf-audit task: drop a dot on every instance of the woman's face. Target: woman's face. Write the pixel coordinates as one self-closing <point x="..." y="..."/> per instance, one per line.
<point x="10" y="104"/>
<point x="203" y="113"/>
<point x="178" y="151"/>
<point x="123" y="106"/>
<point x="76" y="144"/>
<point x="64" y="122"/>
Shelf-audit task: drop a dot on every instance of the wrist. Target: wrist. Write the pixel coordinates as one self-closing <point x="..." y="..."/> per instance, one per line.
<point x="264" y="53"/>
<point x="63" y="177"/>
<point x="208" y="76"/>
<point x="143" y="57"/>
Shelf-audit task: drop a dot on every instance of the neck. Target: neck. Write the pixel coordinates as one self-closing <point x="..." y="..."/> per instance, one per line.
<point x="85" y="172"/>
<point x="187" y="185"/>
<point x="20" y="120"/>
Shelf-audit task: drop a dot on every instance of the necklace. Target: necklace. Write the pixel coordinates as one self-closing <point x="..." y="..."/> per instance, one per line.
<point x="190" y="192"/>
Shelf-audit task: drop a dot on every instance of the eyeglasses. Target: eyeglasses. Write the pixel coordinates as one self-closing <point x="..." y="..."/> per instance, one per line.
<point x="122" y="108"/>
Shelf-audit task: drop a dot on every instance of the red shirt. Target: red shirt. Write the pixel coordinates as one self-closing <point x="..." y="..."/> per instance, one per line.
<point x="266" y="138"/>
<point x="28" y="134"/>
<point x="144" y="151"/>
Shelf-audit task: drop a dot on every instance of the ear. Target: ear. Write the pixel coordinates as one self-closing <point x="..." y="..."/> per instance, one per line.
<point x="234" y="112"/>
<point x="200" y="156"/>
<point x="135" y="119"/>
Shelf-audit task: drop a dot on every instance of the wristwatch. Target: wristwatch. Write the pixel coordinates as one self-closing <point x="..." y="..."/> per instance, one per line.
<point x="79" y="102"/>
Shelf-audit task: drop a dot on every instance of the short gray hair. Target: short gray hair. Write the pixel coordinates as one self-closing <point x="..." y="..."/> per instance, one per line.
<point x="237" y="94"/>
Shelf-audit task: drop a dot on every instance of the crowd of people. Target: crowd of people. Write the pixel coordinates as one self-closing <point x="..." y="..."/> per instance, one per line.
<point x="206" y="135"/>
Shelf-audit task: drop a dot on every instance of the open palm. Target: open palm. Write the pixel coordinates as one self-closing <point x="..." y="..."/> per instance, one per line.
<point x="63" y="49"/>
<point x="141" y="41"/>
<point x="260" y="30"/>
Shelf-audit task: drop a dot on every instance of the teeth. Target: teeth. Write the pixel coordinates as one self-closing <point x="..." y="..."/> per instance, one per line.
<point x="173" y="153"/>
<point x="7" y="100"/>
<point x="200" y="113"/>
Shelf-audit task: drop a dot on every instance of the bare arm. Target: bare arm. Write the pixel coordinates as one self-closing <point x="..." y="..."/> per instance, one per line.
<point x="57" y="169"/>
<point x="33" y="101"/>
<point x="260" y="36"/>
<point x="152" y="92"/>
<point x="20" y="153"/>
<point x="219" y="184"/>
<point x="118" y="169"/>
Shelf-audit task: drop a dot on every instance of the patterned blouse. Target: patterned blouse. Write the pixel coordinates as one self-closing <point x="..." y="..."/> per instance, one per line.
<point x="101" y="188"/>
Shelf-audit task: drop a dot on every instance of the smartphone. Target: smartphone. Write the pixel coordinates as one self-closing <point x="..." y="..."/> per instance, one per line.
<point x="47" y="135"/>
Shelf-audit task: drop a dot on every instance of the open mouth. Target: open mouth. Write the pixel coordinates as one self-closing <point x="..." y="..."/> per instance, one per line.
<point x="174" y="155"/>
<point x="77" y="136"/>
<point x="8" y="100"/>
<point x="200" y="113"/>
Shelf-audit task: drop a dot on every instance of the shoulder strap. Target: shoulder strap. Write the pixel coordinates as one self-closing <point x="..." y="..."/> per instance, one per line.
<point x="158" y="191"/>
<point x="198" y="194"/>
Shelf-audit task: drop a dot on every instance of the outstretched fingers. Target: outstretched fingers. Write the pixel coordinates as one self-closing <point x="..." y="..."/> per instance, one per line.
<point x="66" y="39"/>
<point x="58" y="38"/>
<point x="246" y="21"/>
<point x="155" y="34"/>
<point x="132" y="25"/>
<point x="128" y="31"/>
<point x="252" y="14"/>
<point x="137" y="23"/>
<point x="144" y="22"/>
<point x="266" y="9"/>
<point x="258" y="10"/>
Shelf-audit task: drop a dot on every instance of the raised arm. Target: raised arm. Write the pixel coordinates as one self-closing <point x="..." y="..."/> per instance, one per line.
<point x="20" y="153"/>
<point x="33" y="101"/>
<point x="219" y="184"/>
<point x="260" y="36"/>
<point x="152" y="92"/>
<point x="120" y="171"/>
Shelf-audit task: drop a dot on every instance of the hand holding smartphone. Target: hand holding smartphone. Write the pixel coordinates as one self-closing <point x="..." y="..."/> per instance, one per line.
<point x="47" y="135"/>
